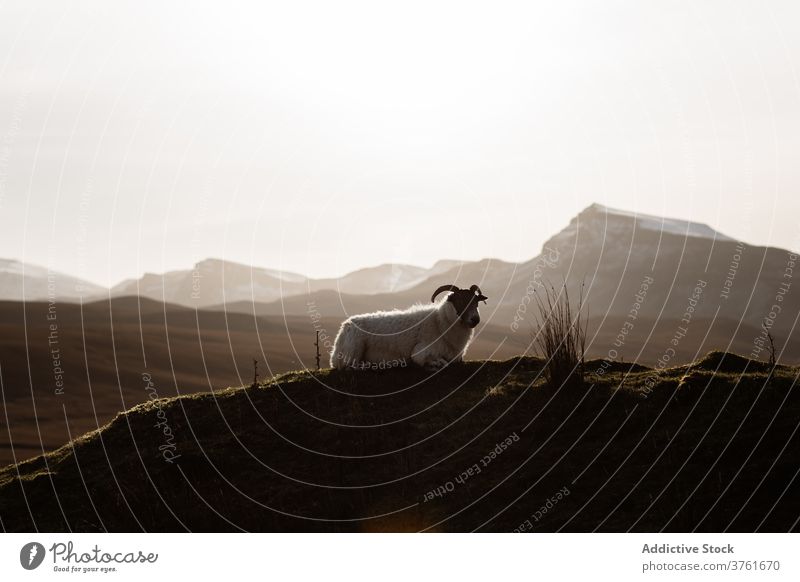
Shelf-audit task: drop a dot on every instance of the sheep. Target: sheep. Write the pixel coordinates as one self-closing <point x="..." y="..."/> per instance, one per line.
<point x="431" y="336"/>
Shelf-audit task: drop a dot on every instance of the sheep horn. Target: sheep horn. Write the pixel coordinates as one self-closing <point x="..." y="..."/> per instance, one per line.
<point x="443" y="288"/>
<point x="477" y="290"/>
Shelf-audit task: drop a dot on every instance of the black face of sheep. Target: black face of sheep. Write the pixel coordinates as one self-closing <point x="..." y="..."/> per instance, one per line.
<point x="465" y="301"/>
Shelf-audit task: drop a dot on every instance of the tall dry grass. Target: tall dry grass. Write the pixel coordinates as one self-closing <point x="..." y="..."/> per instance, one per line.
<point x="561" y="337"/>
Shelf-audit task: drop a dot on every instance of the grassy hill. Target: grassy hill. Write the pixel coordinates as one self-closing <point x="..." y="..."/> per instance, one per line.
<point x="106" y="346"/>
<point x="481" y="446"/>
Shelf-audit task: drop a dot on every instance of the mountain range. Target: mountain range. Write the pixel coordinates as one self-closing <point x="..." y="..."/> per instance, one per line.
<point x="605" y="255"/>
<point x="24" y="281"/>
<point x="608" y="256"/>
<point x="657" y="291"/>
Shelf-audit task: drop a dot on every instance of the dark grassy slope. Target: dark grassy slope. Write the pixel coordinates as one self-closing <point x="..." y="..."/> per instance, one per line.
<point x="716" y="451"/>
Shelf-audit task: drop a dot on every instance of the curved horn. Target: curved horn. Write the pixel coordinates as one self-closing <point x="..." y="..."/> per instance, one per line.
<point x="443" y="288"/>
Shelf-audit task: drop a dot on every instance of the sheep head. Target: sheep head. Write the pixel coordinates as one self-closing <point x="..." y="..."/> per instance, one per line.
<point x="465" y="302"/>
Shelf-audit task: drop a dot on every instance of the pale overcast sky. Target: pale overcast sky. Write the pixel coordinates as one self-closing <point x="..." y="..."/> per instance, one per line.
<point x="323" y="137"/>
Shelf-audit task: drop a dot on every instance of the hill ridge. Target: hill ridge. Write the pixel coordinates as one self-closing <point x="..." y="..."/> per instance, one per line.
<point x="358" y="451"/>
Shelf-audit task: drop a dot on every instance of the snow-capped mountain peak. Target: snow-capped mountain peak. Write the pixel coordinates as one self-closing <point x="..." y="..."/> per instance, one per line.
<point x="597" y="223"/>
<point x="675" y="226"/>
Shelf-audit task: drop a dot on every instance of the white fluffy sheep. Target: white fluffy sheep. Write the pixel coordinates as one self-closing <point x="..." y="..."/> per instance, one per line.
<point x="427" y="335"/>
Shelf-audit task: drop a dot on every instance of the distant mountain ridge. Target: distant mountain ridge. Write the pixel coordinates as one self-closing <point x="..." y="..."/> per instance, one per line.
<point x="215" y="282"/>
<point x="621" y="263"/>
<point x="612" y="252"/>
<point x="23" y="281"/>
<point x="609" y="221"/>
<point x="605" y="253"/>
<point x="210" y="282"/>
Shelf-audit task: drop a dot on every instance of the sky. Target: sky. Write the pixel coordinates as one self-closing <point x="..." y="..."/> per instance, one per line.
<point x="322" y="137"/>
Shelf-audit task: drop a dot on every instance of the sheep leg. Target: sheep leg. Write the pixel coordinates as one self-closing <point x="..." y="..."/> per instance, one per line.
<point x="423" y="356"/>
<point x="348" y="349"/>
